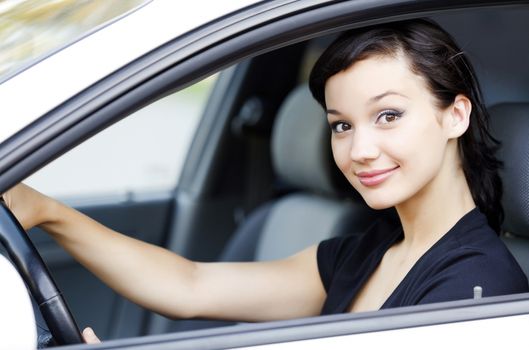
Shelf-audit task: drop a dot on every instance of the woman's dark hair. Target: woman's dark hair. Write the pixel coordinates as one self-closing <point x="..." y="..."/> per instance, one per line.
<point x="434" y="55"/>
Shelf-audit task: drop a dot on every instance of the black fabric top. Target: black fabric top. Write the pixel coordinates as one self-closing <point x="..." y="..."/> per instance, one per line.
<point x="470" y="254"/>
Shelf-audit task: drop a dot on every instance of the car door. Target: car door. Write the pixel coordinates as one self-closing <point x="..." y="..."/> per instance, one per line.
<point x="275" y="27"/>
<point x="159" y="175"/>
<point x="126" y="178"/>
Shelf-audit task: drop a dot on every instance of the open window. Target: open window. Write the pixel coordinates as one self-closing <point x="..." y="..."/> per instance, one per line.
<point x="179" y="176"/>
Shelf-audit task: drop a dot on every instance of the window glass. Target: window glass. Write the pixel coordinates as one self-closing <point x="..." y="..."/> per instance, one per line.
<point x="142" y="153"/>
<point x="31" y="28"/>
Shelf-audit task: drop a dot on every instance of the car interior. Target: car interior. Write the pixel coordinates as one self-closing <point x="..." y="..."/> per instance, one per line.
<point x="259" y="182"/>
<point x="509" y="124"/>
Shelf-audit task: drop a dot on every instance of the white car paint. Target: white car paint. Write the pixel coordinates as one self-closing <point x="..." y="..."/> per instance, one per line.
<point x="40" y="88"/>
<point x="106" y="51"/>
<point x="17" y="321"/>
<point x="494" y="333"/>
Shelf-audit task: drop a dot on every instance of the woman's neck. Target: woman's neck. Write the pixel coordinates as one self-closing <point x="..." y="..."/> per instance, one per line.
<point x="436" y="208"/>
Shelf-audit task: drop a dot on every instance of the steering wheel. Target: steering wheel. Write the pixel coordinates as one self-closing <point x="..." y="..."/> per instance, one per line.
<point x="33" y="271"/>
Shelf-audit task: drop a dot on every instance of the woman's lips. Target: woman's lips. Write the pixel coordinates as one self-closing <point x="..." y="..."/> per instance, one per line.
<point x="375" y="177"/>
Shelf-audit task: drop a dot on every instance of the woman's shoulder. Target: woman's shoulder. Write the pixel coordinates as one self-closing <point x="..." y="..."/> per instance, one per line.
<point x="472" y="236"/>
<point x="335" y="254"/>
<point x="478" y="240"/>
<point x="474" y="254"/>
<point x="455" y="275"/>
<point x="470" y="254"/>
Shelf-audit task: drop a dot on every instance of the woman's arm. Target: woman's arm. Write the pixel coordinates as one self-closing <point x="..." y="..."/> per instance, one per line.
<point x="170" y="284"/>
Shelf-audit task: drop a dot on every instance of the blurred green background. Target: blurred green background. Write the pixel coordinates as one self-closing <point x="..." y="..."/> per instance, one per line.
<point x="31" y="28"/>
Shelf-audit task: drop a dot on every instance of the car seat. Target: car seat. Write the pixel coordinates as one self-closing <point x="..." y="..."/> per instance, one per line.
<point x="510" y="125"/>
<point x="323" y="204"/>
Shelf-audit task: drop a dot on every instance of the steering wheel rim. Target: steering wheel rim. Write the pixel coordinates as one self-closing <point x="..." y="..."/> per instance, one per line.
<point x="34" y="272"/>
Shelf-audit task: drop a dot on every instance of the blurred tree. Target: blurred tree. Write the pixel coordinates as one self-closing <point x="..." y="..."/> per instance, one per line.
<point x="32" y="28"/>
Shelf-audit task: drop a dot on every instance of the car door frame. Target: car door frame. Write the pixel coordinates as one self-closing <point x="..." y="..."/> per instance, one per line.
<point x="199" y="54"/>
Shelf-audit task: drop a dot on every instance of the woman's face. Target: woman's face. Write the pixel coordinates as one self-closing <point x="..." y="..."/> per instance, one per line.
<point x="388" y="137"/>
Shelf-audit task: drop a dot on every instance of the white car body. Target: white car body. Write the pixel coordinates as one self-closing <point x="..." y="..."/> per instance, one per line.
<point x="17" y="321"/>
<point x="95" y="56"/>
<point x="88" y="60"/>
<point x="463" y="335"/>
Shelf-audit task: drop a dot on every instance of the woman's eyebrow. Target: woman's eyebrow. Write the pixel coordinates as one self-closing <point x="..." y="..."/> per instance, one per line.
<point x="371" y="100"/>
<point x="387" y="93"/>
<point x="333" y="111"/>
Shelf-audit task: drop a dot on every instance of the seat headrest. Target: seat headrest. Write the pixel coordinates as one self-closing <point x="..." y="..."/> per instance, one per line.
<point x="301" y="146"/>
<point x="510" y="125"/>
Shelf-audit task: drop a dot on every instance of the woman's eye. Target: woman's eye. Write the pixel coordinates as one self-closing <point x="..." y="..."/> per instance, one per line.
<point x="388" y="116"/>
<point x="340" y="127"/>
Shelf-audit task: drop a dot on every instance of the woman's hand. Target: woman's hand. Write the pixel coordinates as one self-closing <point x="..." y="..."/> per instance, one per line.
<point x="90" y="337"/>
<point x="29" y="206"/>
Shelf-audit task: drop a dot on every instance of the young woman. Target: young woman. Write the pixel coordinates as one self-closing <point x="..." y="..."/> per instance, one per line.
<point x="409" y="130"/>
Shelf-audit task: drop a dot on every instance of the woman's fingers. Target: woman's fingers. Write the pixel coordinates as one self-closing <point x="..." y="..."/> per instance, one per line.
<point x="90" y="337"/>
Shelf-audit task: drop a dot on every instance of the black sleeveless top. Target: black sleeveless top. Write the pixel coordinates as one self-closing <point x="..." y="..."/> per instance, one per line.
<point x="470" y="254"/>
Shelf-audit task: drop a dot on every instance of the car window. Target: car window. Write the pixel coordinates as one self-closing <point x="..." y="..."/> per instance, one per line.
<point x="30" y="29"/>
<point x="145" y="153"/>
<point x="142" y="153"/>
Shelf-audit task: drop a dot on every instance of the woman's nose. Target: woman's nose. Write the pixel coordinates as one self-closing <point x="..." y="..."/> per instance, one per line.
<point x="363" y="146"/>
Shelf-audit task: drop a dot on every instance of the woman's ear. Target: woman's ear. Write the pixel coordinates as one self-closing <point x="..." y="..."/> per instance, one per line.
<point x="457" y="116"/>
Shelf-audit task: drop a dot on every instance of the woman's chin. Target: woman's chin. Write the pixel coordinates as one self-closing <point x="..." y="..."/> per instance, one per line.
<point x="379" y="203"/>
